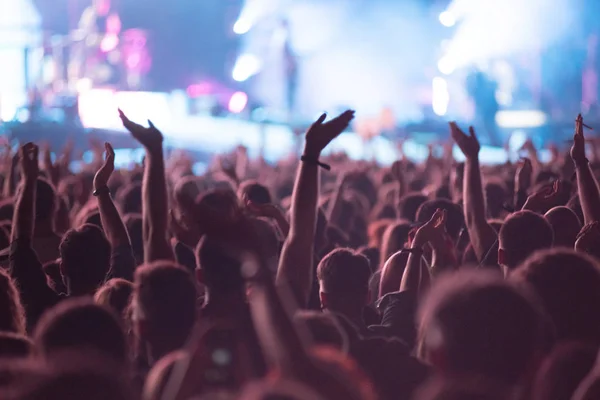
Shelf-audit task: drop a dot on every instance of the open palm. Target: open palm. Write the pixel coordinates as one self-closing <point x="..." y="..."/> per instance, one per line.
<point x="321" y="133"/>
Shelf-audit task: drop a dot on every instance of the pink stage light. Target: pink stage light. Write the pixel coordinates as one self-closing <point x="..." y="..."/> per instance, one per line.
<point x="199" y="89"/>
<point x="238" y="102"/>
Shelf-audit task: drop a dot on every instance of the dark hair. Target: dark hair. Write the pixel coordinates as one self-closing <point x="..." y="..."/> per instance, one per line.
<point x="455" y="220"/>
<point x="115" y="294"/>
<point x="565" y="225"/>
<point x="221" y="272"/>
<point x="130" y="198"/>
<point x="254" y="192"/>
<point x="393" y="240"/>
<point x="79" y="322"/>
<point x="522" y="234"/>
<point x="568" y="283"/>
<point x="483" y="325"/>
<point x="85" y="254"/>
<point x="134" y="225"/>
<point x="15" y="345"/>
<point x="45" y="201"/>
<point x="563" y="370"/>
<point x="495" y="197"/>
<point x="165" y="297"/>
<point x="409" y="204"/>
<point x="344" y="272"/>
<point x="12" y="313"/>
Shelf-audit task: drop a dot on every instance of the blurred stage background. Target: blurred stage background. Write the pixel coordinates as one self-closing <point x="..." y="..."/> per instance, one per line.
<point x="214" y="74"/>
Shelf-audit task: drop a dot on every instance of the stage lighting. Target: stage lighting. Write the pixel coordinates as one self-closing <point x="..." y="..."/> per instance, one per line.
<point x="440" y="97"/>
<point x="447" y="19"/>
<point x="246" y="66"/>
<point x="238" y="102"/>
<point x="446" y="65"/>
<point x="242" y="25"/>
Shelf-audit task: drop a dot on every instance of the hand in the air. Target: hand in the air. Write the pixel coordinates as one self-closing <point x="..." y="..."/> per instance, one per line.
<point x="523" y="175"/>
<point x="468" y="144"/>
<point x="104" y="173"/>
<point x="150" y="137"/>
<point x="28" y="158"/>
<point x="544" y="199"/>
<point x="578" y="148"/>
<point x="321" y="133"/>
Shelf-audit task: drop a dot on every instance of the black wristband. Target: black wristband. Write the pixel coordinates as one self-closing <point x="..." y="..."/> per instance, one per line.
<point x="315" y="161"/>
<point x="100" y="191"/>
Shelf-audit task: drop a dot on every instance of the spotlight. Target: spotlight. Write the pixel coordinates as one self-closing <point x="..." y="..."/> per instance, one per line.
<point x="440" y="96"/>
<point x="238" y="102"/>
<point x="246" y="66"/>
<point x="447" y="19"/>
<point x="446" y="65"/>
<point x="242" y="25"/>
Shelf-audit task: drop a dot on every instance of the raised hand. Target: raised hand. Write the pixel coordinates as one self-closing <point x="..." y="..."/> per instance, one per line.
<point x="320" y="134"/>
<point x="28" y="157"/>
<point x="104" y="173"/>
<point x="468" y="144"/>
<point x="578" y="148"/>
<point x="150" y="137"/>
<point x="523" y="175"/>
<point x="434" y="231"/>
<point x="544" y="199"/>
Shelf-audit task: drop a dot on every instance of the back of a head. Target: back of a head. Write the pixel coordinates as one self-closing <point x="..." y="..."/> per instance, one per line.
<point x="12" y="314"/>
<point x="14" y="345"/>
<point x="45" y="201"/>
<point x="115" y="294"/>
<point x="522" y="234"/>
<point x="221" y="272"/>
<point x="252" y="191"/>
<point x="563" y="370"/>
<point x="409" y="204"/>
<point x="79" y="323"/>
<point x="85" y="254"/>
<point x="344" y="275"/>
<point x="455" y="220"/>
<point x="565" y="225"/>
<point x="393" y="240"/>
<point x="568" y="284"/>
<point x="165" y="298"/>
<point x="478" y="323"/>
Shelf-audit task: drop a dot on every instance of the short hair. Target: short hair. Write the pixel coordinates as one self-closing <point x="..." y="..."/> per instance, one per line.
<point x="134" y="225"/>
<point x="565" y="225"/>
<point x="482" y="324"/>
<point x="455" y="220"/>
<point x="254" y="192"/>
<point x="15" y="345"/>
<point x="522" y="234"/>
<point x="12" y="313"/>
<point x="85" y="254"/>
<point x="45" y="200"/>
<point x="165" y="297"/>
<point x="221" y="272"/>
<point x="563" y="369"/>
<point x="115" y="294"/>
<point x="409" y="204"/>
<point x="568" y="283"/>
<point x="345" y="273"/>
<point x="393" y="240"/>
<point x="80" y="323"/>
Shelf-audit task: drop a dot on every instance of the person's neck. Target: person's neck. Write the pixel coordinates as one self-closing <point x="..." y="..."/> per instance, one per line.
<point x="43" y="229"/>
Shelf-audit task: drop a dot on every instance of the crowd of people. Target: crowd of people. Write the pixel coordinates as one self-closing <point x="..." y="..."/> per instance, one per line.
<point x="315" y="278"/>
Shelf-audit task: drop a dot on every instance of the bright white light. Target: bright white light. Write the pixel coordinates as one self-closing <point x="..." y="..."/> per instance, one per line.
<point x="440" y="96"/>
<point x="447" y="19"/>
<point x="238" y="102"/>
<point x="246" y="66"/>
<point x="242" y="25"/>
<point x="446" y="65"/>
<point x="521" y="119"/>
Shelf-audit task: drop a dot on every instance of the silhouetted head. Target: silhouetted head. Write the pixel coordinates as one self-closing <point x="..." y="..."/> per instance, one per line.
<point x="521" y="235"/>
<point x="565" y="225"/>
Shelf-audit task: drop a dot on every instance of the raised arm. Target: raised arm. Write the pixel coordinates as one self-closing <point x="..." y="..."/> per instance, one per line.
<point x="24" y="216"/>
<point x="154" y="192"/>
<point x="481" y="233"/>
<point x="586" y="183"/>
<point x="522" y="183"/>
<point x="296" y="262"/>
<point x="123" y="263"/>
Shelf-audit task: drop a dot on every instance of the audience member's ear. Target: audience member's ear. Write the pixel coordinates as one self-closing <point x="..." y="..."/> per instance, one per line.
<point x="199" y="276"/>
<point x="501" y="257"/>
<point x="323" y="298"/>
